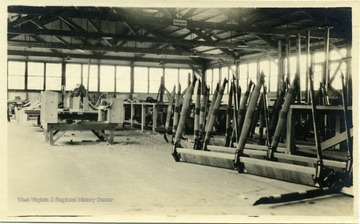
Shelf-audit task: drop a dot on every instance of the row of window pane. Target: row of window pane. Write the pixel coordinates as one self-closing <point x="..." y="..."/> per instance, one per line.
<point x="149" y="79"/>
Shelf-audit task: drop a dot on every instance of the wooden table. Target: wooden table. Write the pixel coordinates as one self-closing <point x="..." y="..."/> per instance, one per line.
<point x="98" y="128"/>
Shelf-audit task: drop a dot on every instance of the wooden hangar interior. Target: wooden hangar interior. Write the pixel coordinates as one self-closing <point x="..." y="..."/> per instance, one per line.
<point x="156" y="100"/>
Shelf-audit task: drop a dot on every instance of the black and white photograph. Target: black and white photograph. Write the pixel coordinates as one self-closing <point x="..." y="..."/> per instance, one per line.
<point x="179" y="112"/>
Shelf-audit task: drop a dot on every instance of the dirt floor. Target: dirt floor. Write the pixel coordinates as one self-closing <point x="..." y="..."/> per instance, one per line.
<point x="137" y="176"/>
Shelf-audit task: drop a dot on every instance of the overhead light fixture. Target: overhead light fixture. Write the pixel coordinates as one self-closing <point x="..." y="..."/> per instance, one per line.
<point x="150" y="10"/>
<point x="194" y="55"/>
<point x="161" y="62"/>
<point x="68" y="58"/>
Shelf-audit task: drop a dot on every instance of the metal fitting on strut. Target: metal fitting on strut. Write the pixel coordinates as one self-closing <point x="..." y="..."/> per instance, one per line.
<point x="239" y="166"/>
<point x="175" y="154"/>
<point x="326" y="177"/>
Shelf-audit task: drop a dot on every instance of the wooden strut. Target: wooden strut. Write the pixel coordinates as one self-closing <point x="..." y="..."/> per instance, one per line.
<point x="169" y="113"/>
<point x="276" y="110"/>
<point x="212" y="105"/>
<point x="290" y="96"/>
<point x="181" y="124"/>
<point x="347" y="128"/>
<point x="247" y="122"/>
<point x="200" y="142"/>
<point x="214" y="114"/>
<point x="204" y="102"/>
<point x="229" y="116"/>
<point x="235" y="123"/>
<point x="320" y="164"/>
<point x="266" y="115"/>
<point x="197" y="114"/>
<point x="176" y="112"/>
<point x="242" y="108"/>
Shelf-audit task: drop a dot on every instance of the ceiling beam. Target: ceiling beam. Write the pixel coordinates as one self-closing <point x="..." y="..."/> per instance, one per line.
<point x="44" y="28"/>
<point x="89" y="12"/>
<point x="47" y="45"/>
<point x="22" y="20"/>
<point x="99" y="57"/>
<point x="189" y="13"/>
<point x="97" y="35"/>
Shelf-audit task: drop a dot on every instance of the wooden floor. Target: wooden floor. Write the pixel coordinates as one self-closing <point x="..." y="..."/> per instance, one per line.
<point x="137" y="179"/>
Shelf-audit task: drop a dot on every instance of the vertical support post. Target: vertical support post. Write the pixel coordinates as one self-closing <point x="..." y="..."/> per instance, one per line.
<point x="98" y="76"/>
<point x="348" y="78"/>
<point x="148" y="80"/>
<point x="26" y="77"/>
<point x="154" y="125"/>
<point x="290" y="132"/>
<point x="178" y="77"/>
<point x="131" y="80"/>
<point x="142" y="117"/>
<point x="326" y="77"/>
<point x="88" y="80"/>
<point x="203" y="72"/>
<point x="63" y="73"/>
<point x="162" y="84"/>
<point x="280" y="69"/>
<point x="111" y="136"/>
<point x="132" y="113"/>
<point x="228" y="78"/>
<point x="212" y="82"/>
<point x="247" y="72"/>
<point x="115" y="71"/>
<point x="220" y="73"/>
<point x="44" y="83"/>
<point x="269" y="75"/>
<point x="288" y="51"/>
<point x="307" y="98"/>
<point x="237" y="73"/>
<point x="298" y="55"/>
<point x="257" y="69"/>
<point x="81" y="74"/>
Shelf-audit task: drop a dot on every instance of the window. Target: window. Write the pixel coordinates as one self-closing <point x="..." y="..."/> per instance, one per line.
<point x="253" y="72"/>
<point x="319" y="57"/>
<point x="16" y="75"/>
<point x="140" y="79"/>
<point x="53" y="76"/>
<point x="274" y="77"/>
<point x="123" y="79"/>
<point x="302" y="72"/>
<point x="216" y="77"/>
<point x="209" y="79"/>
<point x="73" y="76"/>
<point x="93" y="77"/>
<point x="292" y="68"/>
<point x="184" y="78"/>
<point x="107" y="78"/>
<point x="35" y="75"/>
<point x="317" y="73"/>
<point x="337" y="68"/>
<point x="243" y="81"/>
<point x="171" y="78"/>
<point x="155" y="75"/>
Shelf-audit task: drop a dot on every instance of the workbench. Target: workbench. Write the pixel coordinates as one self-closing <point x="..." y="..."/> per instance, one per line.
<point x="54" y="131"/>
